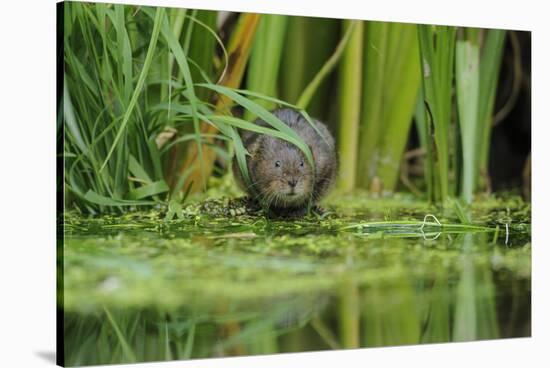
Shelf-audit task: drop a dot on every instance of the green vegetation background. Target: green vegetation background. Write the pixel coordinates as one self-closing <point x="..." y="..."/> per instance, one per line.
<point x="153" y="100"/>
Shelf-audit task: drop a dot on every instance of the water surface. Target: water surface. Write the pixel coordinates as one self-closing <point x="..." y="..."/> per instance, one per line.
<point x="216" y="283"/>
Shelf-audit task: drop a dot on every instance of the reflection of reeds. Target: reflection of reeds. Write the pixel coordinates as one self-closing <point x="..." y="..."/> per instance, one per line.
<point x="349" y="313"/>
<point x="414" y="300"/>
<point x="475" y="310"/>
<point x="436" y="309"/>
<point x="390" y="315"/>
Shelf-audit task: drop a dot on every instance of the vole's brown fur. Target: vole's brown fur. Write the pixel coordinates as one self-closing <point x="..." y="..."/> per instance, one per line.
<point x="280" y="175"/>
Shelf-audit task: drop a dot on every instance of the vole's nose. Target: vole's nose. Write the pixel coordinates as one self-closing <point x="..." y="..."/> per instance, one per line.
<point x="292" y="182"/>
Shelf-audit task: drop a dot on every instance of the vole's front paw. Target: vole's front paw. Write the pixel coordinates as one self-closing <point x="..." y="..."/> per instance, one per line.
<point x="318" y="210"/>
<point x="322" y="212"/>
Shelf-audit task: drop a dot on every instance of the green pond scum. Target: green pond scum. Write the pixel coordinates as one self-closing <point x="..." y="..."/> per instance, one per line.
<point x="214" y="278"/>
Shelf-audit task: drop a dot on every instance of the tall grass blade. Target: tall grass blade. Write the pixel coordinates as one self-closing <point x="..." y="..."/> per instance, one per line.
<point x="263" y="68"/>
<point x="376" y="34"/>
<point x="203" y="47"/>
<point x="476" y="75"/>
<point x="422" y="126"/>
<point x="349" y="103"/>
<point x="70" y="120"/>
<point x="181" y="60"/>
<point x="467" y="88"/>
<point x="490" y="64"/>
<point x="199" y="39"/>
<point x="401" y="85"/>
<point x="390" y="87"/>
<point x="139" y="85"/>
<point x="328" y="66"/>
<point x="436" y="64"/>
<point x="303" y="57"/>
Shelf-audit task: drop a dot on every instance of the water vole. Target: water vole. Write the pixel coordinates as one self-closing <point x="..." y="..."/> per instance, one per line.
<point x="280" y="174"/>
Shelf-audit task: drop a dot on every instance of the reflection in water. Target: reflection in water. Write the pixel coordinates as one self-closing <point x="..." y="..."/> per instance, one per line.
<point x="142" y="295"/>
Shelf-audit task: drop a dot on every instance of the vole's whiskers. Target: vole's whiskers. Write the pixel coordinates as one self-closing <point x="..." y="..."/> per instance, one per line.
<point x="256" y="183"/>
<point x="278" y="198"/>
<point x="271" y="196"/>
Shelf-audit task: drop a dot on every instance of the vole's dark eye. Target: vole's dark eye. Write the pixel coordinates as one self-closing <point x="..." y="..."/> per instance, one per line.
<point x="302" y="164"/>
<point x="277" y="163"/>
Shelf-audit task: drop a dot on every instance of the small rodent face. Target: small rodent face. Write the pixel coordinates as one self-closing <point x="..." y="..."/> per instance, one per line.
<point x="283" y="174"/>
